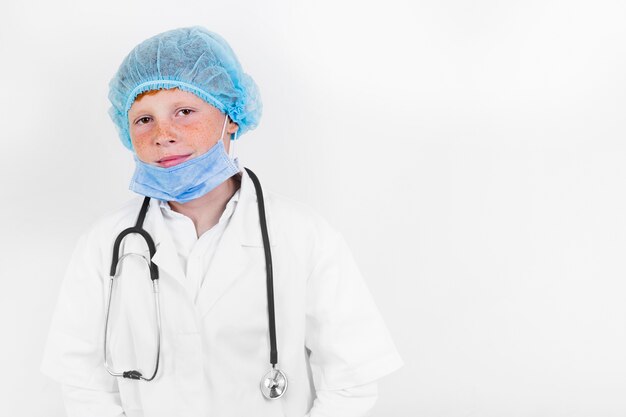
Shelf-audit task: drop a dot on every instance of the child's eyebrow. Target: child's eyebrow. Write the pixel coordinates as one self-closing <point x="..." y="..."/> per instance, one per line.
<point x="182" y="104"/>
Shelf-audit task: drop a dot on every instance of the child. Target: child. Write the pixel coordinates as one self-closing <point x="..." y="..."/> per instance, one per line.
<point x="227" y="300"/>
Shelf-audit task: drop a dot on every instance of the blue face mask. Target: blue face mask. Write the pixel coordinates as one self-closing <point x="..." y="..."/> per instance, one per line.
<point x="186" y="181"/>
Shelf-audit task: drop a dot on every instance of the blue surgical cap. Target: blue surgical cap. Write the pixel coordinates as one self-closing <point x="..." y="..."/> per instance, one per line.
<point x="190" y="59"/>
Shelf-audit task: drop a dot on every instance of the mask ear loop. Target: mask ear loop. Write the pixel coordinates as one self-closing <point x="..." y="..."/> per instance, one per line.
<point x="231" y="148"/>
<point x="224" y="128"/>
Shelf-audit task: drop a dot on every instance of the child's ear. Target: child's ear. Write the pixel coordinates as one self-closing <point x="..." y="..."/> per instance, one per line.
<point x="232" y="127"/>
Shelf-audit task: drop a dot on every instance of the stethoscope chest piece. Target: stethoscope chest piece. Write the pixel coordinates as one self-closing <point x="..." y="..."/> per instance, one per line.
<point x="274" y="384"/>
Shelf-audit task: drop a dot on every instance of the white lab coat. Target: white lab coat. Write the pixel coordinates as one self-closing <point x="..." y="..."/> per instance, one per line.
<point x="215" y="349"/>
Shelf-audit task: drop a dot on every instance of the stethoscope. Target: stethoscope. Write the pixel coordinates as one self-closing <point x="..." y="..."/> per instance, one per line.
<point x="273" y="383"/>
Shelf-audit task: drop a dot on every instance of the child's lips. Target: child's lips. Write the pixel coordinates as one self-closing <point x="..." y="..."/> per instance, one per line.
<point x="170" y="161"/>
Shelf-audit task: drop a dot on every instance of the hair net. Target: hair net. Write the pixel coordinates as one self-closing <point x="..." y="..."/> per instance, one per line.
<point x="190" y="59"/>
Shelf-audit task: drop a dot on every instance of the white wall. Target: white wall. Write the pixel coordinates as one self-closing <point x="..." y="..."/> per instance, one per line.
<point x="472" y="153"/>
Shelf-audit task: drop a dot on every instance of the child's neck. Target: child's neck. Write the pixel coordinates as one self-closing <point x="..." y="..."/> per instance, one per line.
<point x="205" y="211"/>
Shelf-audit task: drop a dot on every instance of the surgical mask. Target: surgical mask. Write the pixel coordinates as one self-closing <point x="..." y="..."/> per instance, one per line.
<point x="188" y="180"/>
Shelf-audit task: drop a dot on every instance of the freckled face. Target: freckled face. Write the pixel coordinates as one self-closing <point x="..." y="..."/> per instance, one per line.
<point x="172" y="126"/>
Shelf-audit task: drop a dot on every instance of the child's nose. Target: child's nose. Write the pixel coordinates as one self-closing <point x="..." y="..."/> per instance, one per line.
<point x="164" y="135"/>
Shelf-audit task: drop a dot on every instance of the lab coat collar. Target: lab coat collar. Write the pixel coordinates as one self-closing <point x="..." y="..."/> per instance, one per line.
<point x="232" y="255"/>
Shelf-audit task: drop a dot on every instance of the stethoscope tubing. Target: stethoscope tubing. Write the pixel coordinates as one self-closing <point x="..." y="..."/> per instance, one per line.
<point x="133" y="374"/>
<point x="268" y="268"/>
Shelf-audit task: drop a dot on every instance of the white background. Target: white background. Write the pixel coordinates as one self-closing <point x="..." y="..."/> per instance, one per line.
<point x="472" y="154"/>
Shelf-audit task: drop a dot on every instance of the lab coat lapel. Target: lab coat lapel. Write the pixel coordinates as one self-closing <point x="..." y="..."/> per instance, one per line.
<point x="166" y="255"/>
<point x="233" y="254"/>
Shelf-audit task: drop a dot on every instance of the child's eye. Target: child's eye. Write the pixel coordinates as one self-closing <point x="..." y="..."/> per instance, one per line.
<point x="186" y="112"/>
<point x="142" y="120"/>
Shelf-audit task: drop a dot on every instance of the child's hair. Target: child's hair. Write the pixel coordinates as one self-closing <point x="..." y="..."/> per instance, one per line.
<point x="151" y="93"/>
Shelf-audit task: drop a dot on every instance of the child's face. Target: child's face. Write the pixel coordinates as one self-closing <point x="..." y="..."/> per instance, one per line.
<point x="172" y="126"/>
